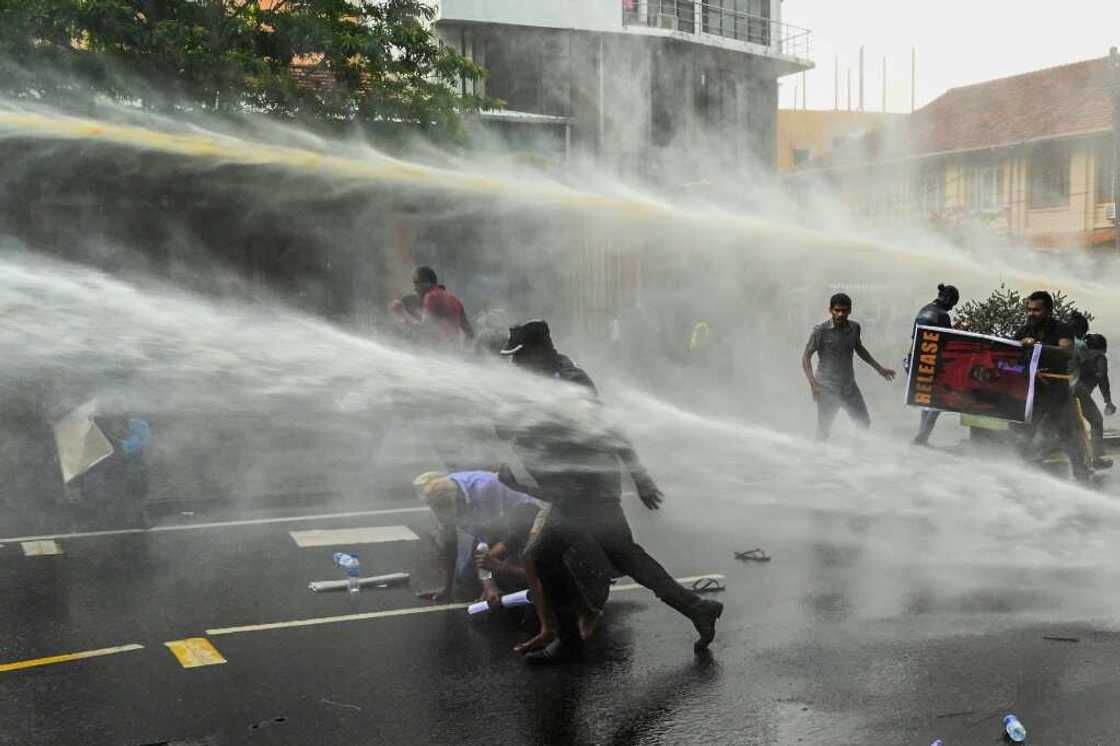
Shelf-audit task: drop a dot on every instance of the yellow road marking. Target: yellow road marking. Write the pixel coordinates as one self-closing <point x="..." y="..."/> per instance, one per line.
<point x="32" y="663"/>
<point x="195" y="651"/>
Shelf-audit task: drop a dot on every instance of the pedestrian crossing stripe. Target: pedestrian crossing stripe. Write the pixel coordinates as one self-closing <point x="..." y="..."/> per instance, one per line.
<point x="195" y="652"/>
<point x="40" y="548"/>
<point x="319" y="537"/>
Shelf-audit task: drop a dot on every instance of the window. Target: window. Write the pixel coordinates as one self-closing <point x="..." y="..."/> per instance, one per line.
<point x="1049" y="177"/>
<point x="1105" y="172"/>
<point x="986" y="189"/>
<point x="931" y="194"/>
<point x="679" y="15"/>
<point x="800" y="155"/>
<point x="745" y="20"/>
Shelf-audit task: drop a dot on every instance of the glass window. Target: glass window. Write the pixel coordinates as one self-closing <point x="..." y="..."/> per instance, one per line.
<point x="986" y="189"/>
<point x="931" y="193"/>
<point x="1049" y="177"/>
<point x="1105" y="172"/>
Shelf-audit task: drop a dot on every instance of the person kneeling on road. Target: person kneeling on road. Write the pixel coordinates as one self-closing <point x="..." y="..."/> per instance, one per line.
<point x="473" y="507"/>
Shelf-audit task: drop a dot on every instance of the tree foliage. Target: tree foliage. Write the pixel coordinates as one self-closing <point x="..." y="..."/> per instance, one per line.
<point x="1004" y="311"/>
<point x="373" y="61"/>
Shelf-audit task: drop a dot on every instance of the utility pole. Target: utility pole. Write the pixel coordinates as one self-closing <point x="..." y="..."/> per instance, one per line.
<point x="861" y="78"/>
<point x="913" y="78"/>
<point x="1114" y="66"/>
<point x="836" y="82"/>
<point x="804" y="91"/>
<point x="884" y="85"/>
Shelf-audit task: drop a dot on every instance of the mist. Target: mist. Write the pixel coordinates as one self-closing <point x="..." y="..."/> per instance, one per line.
<point x="253" y="390"/>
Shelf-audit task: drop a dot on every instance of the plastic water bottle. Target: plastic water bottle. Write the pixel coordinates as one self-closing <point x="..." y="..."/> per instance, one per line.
<point x="483" y="573"/>
<point x="1015" y="730"/>
<point x="352" y="566"/>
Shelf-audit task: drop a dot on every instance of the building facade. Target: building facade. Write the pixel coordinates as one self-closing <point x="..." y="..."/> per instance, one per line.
<point x="805" y="134"/>
<point x="642" y="85"/>
<point x="1028" y="158"/>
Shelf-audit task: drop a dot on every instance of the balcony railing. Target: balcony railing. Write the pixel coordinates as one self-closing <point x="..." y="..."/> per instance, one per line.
<point x="691" y="17"/>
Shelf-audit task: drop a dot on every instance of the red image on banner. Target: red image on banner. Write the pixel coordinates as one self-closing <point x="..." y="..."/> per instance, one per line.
<point x="957" y="371"/>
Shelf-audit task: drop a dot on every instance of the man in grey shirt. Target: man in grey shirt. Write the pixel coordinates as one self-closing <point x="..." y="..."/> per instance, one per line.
<point x="834" y="384"/>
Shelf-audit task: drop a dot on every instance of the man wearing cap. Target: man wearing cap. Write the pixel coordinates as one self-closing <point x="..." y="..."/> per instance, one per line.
<point x="579" y="475"/>
<point x="935" y="313"/>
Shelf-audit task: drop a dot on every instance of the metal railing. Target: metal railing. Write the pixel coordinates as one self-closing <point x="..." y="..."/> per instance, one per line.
<point x="712" y="18"/>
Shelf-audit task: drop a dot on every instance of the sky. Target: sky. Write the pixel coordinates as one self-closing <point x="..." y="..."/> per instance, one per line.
<point x="958" y="42"/>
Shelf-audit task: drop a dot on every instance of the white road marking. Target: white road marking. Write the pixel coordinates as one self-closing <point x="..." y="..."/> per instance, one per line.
<point x="394" y="612"/>
<point x="222" y="524"/>
<point x="329" y="537"/>
<point x="40" y="548"/>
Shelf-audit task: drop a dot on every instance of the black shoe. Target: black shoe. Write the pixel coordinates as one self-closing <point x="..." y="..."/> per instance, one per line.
<point x="557" y="651"/>
<point x="704" y="615"/>
<point x="1102" y="462"/>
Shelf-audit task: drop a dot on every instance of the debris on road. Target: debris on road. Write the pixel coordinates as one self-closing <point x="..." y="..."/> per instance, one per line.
<point x="509" y="601"/>
<point x="377" y="581"/>
<point x="1014" y="729"/>
<point x="1055" y="638"/>
<point x="755" y="555"/>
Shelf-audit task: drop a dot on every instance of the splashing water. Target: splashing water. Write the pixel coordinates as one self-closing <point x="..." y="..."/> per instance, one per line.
<point x="179" y="352"/>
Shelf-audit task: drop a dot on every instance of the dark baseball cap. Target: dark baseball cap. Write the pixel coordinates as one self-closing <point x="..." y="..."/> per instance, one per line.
<point x="530" y="333"/>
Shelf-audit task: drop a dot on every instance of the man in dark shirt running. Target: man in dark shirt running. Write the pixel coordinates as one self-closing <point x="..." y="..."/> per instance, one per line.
<point x="935" y="313"/>
<point x="834" y="384"/>
<point x="578" y="473"/>
<point x="1053" y="401"/>
<point x="1094" y="373"/>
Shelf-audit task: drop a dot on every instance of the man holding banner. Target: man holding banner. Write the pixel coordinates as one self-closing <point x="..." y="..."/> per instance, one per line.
<point x="1055" y="401"/>
<point x="958" y="371"/>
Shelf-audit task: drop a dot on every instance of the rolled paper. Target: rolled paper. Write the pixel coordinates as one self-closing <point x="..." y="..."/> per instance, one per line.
<point x="509" y="601"/>
<point x="395" y="578"/>
<point x="521" y="598"/>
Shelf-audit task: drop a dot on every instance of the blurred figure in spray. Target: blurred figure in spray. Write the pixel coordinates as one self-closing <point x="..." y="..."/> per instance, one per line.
<point x="935" y="313"/>
<point x="405" y="313"/>
<point x="442" y="316"/>
<point x="1093" y="372"/>
<point x="491" y="330"/>
<point x="578" y="474"/>
<point x="834" y="385"/>
<point x="119" y="484"/>
<point x="1053" y="401"/>
<point x="472" y="507"/>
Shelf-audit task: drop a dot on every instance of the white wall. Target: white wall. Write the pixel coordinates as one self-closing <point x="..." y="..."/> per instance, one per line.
<point x="584" y="15"/>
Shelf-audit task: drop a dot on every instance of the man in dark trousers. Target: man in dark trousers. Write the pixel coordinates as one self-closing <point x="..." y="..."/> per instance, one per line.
<point x="1094" y="373"/>
<point x="935" y="313"/>
<point x="1053" y="400"/>
<point x="834" y="384"/>
<point x="578" y="473"/>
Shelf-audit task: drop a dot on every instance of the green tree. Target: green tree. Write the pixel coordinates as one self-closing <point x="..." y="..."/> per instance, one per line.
<point x="377" y="62"/>
<point x="1004" y="311"/>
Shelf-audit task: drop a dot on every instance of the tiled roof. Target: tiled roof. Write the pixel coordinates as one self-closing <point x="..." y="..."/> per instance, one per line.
<point x="1056" y="102"/>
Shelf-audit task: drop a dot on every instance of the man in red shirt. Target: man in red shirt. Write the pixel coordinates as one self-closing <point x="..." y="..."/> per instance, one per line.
<point x="441" y="311"/>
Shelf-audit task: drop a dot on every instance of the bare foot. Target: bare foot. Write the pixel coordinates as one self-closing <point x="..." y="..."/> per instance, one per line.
<point x="587" y="622"/>
<point x="542" y="639"/>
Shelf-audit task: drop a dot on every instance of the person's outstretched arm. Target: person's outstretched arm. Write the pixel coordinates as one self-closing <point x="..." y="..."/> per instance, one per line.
<point x="1106" y="387"/>
<point x="865" y="356"/>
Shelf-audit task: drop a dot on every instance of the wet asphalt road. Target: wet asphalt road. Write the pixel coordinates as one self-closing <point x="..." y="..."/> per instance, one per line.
<point x="812" y="648"/>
